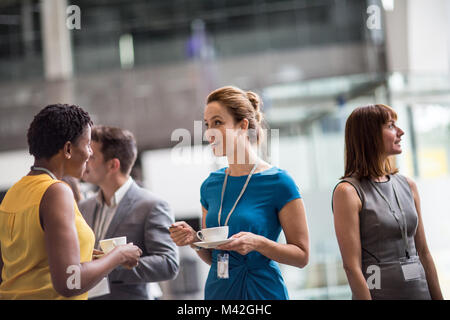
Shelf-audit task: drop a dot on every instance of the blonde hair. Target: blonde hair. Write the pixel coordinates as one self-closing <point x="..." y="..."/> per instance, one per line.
<point x="241" y="105"/>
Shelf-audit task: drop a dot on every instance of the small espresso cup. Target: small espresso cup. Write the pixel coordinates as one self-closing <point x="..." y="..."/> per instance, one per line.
<point x="108" y="244"/>
<point x="213" y="234"/>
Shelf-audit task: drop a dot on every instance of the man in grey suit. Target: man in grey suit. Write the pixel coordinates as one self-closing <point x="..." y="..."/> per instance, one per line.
<point x="122" y="208"/>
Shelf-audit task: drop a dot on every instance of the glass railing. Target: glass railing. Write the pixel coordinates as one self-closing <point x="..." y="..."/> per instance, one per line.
<point x="163" y="32"/>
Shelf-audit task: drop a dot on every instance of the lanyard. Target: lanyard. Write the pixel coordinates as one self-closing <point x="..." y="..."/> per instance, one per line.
<point x="240" y="195"/>
<point x="403" y="227"/>
<point x="45" y="170"/>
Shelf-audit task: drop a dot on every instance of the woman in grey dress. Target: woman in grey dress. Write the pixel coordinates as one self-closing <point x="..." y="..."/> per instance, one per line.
<point x="377" y="214"/>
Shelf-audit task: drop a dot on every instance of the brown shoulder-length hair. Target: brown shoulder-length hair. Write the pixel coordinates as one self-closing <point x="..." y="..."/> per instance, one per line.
<point x="364" y="142"/>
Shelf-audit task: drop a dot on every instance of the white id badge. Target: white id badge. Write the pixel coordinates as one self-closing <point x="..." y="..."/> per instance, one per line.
<point x="411" y="270"/>
<point x="222" y="265"/>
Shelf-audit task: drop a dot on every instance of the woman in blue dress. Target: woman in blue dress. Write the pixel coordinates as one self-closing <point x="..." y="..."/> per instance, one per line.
<point x="254" y="199"/>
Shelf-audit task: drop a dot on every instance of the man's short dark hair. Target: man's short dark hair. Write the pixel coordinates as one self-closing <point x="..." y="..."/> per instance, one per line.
<point x="116" y="143"/>
<point x="53" y="126"/>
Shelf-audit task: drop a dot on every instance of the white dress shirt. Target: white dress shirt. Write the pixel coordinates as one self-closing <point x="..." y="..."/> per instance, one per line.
<point x="105" y="213"/>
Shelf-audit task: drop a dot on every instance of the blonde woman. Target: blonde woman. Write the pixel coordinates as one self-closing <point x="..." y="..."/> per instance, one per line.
<point x="255" y="199"/>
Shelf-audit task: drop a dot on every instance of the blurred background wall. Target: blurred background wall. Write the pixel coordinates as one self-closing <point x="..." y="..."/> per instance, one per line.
<point x="148" y="66"/>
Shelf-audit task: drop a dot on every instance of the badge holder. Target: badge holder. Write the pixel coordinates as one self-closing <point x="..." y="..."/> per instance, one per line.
<point x="410" y="265"/>
<point x="410" y="268"/>
<point x="224" y="258"/>
<point x="222" y="265"/>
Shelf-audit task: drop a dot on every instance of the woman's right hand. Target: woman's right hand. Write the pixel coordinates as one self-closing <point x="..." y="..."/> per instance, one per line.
<point x="182" y="234"/>
<point x="129" y="255"/>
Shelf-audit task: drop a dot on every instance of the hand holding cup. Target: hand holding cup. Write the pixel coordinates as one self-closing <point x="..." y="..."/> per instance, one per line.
<point x="130" y="255"/>
<point x="182" y="234"/>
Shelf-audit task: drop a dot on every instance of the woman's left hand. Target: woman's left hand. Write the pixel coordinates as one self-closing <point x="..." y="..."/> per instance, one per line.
<point x="243" y="243"/>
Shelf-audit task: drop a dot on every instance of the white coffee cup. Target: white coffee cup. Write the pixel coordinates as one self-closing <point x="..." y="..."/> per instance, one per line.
<point x="213" y="234"/>
<point x="108" y="244"/>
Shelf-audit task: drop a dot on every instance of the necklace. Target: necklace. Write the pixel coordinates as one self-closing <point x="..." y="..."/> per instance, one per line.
<point x="33" y="168"/>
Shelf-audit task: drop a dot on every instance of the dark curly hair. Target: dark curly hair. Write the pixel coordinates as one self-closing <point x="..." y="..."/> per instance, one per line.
<point x="53" y="126"/>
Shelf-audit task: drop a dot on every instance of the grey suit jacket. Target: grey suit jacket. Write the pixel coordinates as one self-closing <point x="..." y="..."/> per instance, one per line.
<point x="144" y="219"/>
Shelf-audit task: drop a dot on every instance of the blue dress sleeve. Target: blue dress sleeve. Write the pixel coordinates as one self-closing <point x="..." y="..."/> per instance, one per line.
<point x="286" y="190"/>
<point x="203" y="194"/>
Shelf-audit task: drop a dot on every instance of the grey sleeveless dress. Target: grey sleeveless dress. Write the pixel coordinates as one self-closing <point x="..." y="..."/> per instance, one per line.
<point x="381" y="239"/>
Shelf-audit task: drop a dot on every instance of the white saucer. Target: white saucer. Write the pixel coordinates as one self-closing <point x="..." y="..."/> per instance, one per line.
<point x="212" y="244"/>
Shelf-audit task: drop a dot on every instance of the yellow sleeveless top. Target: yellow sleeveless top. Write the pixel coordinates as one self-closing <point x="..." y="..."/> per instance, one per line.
<point x="26" y="272"/>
